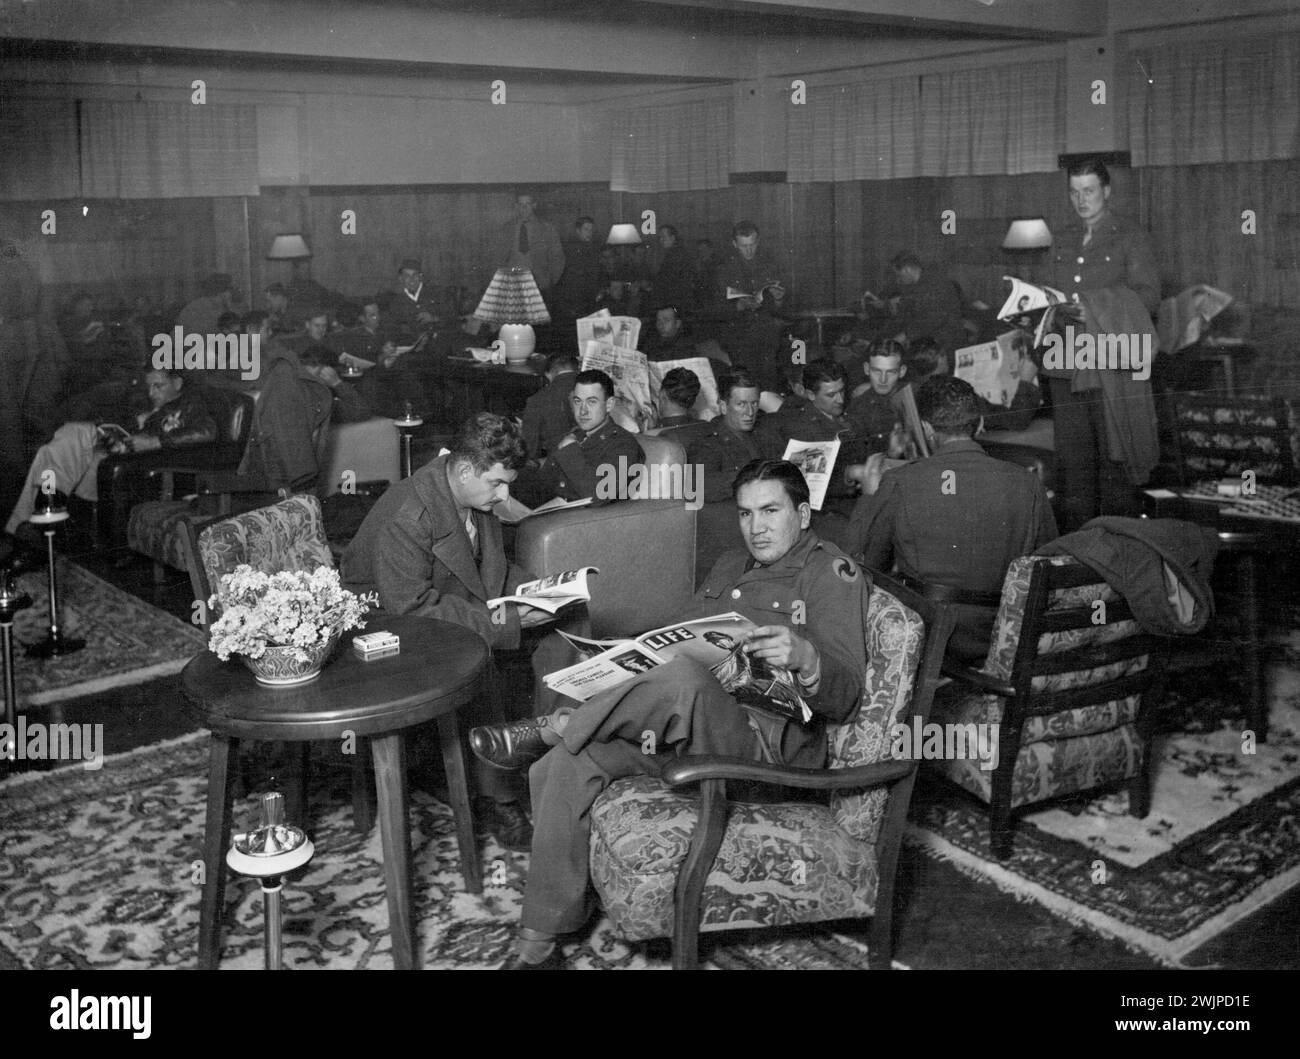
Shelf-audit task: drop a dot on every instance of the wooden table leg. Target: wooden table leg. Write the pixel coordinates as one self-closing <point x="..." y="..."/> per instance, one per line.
<point x="453" y="762"/>
<point x="1252" y="655"/>
<point x="395" y="831"/>
<point x="216" y="837"/>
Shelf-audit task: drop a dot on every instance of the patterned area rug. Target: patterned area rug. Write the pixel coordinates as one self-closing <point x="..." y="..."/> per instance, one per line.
<point x="100" y="869"/>
<point x="127" y="640"/>
<point x="1221" y="840"/>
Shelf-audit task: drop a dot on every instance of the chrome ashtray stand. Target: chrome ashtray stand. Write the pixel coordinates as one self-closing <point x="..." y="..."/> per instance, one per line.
<point x="406" y="426"/>
<point x="267" y="854"/>
<point x="49" y="513"/>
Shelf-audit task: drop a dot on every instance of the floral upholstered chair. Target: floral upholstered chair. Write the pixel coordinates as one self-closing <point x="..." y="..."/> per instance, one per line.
<point x="1066" y="680"/>
<point x="672" y="856"/>
<point x="289" y="535"/>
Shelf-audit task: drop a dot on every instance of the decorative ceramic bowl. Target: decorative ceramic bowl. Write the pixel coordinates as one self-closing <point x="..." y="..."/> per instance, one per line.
<point x="279" y="668"/>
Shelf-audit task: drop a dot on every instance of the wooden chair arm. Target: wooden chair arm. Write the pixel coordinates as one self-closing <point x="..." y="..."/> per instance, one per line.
<point x="701" y="768"/>
<point x="974" y="677"/>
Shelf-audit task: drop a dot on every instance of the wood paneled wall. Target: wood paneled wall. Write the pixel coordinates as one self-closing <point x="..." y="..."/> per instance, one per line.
<point x="834" y="240"/>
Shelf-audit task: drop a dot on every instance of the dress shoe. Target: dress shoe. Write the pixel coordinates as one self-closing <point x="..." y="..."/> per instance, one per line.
<point x="509" y="746"/>
<point x="553" y="962"/>
<point x="506" y="822"/>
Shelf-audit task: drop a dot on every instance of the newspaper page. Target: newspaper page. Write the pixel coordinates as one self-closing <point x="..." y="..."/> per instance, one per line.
<point x="706" y="405"/>
<point x="631" y="374"/>
<point x="990" y="366"/>
<point x="708" y="641"/>
<point x="816" y="459"/>
<point x="608" y="330"/>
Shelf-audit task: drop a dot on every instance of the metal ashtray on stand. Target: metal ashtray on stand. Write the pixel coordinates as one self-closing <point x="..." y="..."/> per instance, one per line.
<point x="12" y="600"/>
<point x="49" y="513"/>
<point x="268" y="853"/>
<point x="406" y="426"/>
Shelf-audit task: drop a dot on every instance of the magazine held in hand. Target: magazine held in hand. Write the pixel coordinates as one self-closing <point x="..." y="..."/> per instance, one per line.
<point x="716" y="642"/>
<point x="551" y="593"/>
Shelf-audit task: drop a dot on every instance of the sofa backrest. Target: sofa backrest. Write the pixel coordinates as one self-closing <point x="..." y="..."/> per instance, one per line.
<point x="644" y="549"/>
<point x="369" y="449"/>
<point x="665" y="461"/>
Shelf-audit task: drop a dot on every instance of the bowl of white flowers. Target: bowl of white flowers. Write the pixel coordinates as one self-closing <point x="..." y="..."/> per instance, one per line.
<point x="284" y="626"/>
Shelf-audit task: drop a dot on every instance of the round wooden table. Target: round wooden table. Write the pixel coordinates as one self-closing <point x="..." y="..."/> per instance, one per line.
<point x="437" y="671"/>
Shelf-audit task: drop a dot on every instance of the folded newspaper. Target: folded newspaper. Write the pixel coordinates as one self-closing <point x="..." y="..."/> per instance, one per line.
<point x="551" y="593"/>
<point x="735" y="292"/>
<point x="816" y="459"/>
<point x="1028" y="298"/>
<point x="716" y="642"/>
<point x="607" y="330"/>
<point x="991" y="367"/>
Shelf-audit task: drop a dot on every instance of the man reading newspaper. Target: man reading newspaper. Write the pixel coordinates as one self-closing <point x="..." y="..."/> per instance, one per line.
<point x="808" y="602"/>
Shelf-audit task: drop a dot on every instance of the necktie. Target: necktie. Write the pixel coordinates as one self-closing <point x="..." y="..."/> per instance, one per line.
<point x="473" y="533"/>
<point x="523" y="238"/>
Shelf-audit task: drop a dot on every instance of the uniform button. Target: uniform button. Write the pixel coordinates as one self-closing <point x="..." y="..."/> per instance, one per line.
<point x="1081" y="260"/>
<point x="1078" y="279"/>
<point x="735" y="593"/>
<point x="1108" y="257"/>
<point x="775" y="605"/>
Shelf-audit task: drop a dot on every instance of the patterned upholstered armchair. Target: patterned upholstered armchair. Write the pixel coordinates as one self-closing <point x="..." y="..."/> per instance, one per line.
<point x="673" y="856"/>
<point x="1067" y="679"/>
<point x="287" y="536"/>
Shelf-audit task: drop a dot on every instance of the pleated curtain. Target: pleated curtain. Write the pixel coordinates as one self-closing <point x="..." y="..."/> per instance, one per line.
<point x="672" y="147"/>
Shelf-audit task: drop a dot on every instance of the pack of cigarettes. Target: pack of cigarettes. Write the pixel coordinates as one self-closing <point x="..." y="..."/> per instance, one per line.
<point x="374" y="645"/>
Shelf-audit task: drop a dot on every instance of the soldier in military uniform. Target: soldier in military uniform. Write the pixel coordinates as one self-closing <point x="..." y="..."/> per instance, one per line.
<point x="821" y="417"/>
<point x="1102" y="251"/>
<point x="720" y="450"/>
<point x="809" y="603"/>
<point x="572" y="470"/>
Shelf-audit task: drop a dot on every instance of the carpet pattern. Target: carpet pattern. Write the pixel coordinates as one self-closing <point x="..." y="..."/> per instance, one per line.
<point x="127" y="640"/>
<point x="1221" y="841"/>
<point x="134" y="833"/>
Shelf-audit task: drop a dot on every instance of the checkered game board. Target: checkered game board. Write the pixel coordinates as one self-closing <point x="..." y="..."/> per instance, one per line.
<point x="1277" y="503"/>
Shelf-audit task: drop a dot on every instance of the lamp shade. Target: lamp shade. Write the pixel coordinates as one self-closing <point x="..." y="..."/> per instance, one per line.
<point x="623" y="235"/>
<point x="1027" y="233"/>
<point x="512" y="298"/>
<point x="288" y="248"/>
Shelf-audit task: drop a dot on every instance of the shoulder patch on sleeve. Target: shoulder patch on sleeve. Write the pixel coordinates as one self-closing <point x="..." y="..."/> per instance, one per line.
<point x="846" y="570"/>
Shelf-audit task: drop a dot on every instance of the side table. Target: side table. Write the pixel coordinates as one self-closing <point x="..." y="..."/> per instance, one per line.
<point x="437" y="671"/>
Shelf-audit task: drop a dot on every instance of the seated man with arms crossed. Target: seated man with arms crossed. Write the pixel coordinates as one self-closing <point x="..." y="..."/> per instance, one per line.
<point x="784" y="571"/>
<point x="431" y="547"/>
<point x="573" y="467"/>
<point x="69" y="459"/>
<point x="955" y="520"/>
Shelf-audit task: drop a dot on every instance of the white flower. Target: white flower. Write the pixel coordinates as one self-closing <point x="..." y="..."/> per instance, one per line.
<point x="290" y="608"/>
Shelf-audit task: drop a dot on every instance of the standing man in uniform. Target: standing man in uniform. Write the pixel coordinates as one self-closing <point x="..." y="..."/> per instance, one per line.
<point x="784" y="570"/>
<point x="752" y="325"/>
<point x="1106" y="443"/>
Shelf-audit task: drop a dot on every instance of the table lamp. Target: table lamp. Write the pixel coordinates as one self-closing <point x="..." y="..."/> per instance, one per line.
<point x="292" y="248"/>
<point x="1025" y="238"/>
<point x="513" y="301"/>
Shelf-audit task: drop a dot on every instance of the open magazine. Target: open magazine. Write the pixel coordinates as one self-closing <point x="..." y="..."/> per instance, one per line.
<point x="512" y="511"/>
<point x="716" y="642"/>
<point x="112" y="432"/>
<point x="551" y="593"/>
<point x="816" y="460"/>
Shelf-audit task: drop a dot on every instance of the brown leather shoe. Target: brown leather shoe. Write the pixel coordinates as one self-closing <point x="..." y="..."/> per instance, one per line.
<point x="508" y="746"/>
